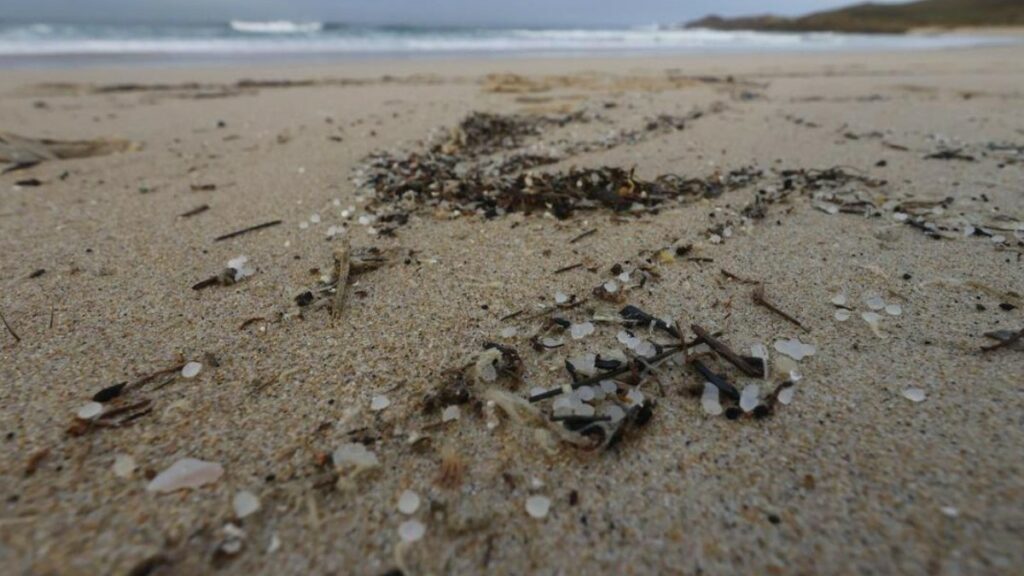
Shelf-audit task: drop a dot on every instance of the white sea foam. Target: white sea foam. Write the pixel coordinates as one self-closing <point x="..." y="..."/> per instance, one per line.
<point x="276" y="27"/>
<point x="286" y="37"/>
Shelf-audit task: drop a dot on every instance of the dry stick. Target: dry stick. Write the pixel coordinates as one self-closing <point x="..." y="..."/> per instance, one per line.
<point x="154" y="375"/>
<point x="590" y="232"/>
<point x="1005" y="343"/>
<point x="212" y="280"/>
<point x="760" y="300"/>
<point x="515" y="314"/>
<point x="720" y="382"/>
<point x="197" y="210"/>
<point x="342" y="267"/>
<point x="725" y="352"/>
<point x="247" y="230"/>
<point x="569" y="267"/>
<point x="9" y="329"/>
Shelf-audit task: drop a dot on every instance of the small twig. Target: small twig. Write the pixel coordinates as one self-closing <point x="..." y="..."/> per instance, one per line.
<point x="247" y="230"/>
<point x="760" y="300"/>
<point x="9" y="329"/>
<point x="515" y="314"/>
<point x="590" y="232"/>
<point x="154" y="375"/>
<point x="724" y="351"/>
<point x="568" y="268"/>
<point x="1005" y="343"/>
<point x="211" y="281"/>
<point x="194" y="211"/>
<point x="251" y="321"/>
<point x="720" y="382"/>
<point x="19" y="166"/>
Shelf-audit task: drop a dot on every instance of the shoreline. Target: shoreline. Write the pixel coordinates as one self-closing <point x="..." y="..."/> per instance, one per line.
<point x="858" y="44"/>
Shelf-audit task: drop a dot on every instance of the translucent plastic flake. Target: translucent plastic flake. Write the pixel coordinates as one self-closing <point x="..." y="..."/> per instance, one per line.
<point x="240" y="266"/>
<point x="585" y="364"/>
<point x="794" y="348"/>
<point x="750" y="397"/>
<point x="646" y="349"/>
<point x="580" y="331"/>
<point x="354" y="454"/>
<point x="710" y="400"/>
<point x="245" y="503"/>
<point x="186" y="473"/>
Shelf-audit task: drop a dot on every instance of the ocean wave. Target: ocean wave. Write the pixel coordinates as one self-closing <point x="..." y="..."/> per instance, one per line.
<point x="286" y="37"/>
<point x="275" y="27"/>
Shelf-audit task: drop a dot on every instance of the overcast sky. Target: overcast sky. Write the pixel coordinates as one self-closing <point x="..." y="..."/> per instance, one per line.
<point x="458" y="12"/>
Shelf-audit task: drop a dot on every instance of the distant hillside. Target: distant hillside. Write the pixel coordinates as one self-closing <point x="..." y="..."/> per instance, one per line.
<point x="883" y="18"/>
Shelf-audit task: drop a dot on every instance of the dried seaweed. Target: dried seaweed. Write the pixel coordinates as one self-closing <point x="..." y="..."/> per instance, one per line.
<point x="482" y="166"/>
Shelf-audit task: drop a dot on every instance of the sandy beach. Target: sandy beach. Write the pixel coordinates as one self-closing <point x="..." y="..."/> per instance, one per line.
<point x="875" y="200"/>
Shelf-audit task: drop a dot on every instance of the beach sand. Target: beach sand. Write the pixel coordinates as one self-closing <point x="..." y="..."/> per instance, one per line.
<point x="850" y="477"/>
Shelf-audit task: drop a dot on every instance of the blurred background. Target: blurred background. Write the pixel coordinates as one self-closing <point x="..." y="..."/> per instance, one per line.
<point x="60" y="32"/>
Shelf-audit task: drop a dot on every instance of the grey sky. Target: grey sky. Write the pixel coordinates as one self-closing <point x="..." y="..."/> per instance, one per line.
<point x="458" y="12"/>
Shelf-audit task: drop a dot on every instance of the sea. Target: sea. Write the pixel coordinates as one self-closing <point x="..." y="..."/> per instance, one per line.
<point x="31" y="44"/>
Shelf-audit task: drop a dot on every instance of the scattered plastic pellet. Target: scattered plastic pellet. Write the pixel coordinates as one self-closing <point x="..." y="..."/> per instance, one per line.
<point x="450" y="413"/>
<point x="408" y="502"/>
<point x="191" y="370"/>
<point x="914" y="394"/>
<point x="245" y="504"/>
<point x="786" y="395"/>
<point x="874" y="302"/>
<point x="89" y="410"/>
<point x="893" y="309"/>
<point x="538" y="506"/>
<point x="411" y="531"/>
<point x="124" y="466"/>
<point x="379" y="403"/>
<point x="580" y="331"/>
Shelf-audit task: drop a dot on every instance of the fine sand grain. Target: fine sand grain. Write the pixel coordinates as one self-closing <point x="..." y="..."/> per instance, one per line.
<point x="97" y="266"/>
